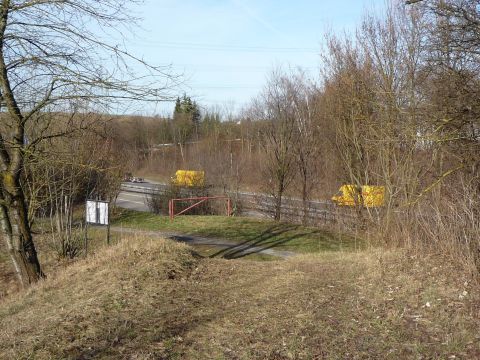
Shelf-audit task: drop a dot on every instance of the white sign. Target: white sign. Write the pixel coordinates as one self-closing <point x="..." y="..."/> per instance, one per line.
<point x="97" y="212"/>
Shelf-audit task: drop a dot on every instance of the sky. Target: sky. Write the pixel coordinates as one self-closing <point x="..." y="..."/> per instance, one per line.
<point x="226" y="49"/>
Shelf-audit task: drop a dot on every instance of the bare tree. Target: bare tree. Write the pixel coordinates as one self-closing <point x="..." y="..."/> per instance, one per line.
<point x="57" y="57"/>
<point x="348" y="99"/>
<point x="306" y="132"/>
<point x="278" y="137"/>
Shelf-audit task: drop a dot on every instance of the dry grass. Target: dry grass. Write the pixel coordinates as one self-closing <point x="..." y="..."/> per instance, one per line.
<point x="93" y="302"/>
<point x="152" y="299"/>
<point x="49" y="257"/>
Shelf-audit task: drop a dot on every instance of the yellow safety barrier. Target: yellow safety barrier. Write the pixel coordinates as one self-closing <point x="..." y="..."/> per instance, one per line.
<point x="366" y="195"/>
<point x="189" y="178"/>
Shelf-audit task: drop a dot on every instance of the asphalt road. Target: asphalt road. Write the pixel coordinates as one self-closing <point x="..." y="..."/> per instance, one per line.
<point x="132" y="201"/>
<point x="134" y="197"/>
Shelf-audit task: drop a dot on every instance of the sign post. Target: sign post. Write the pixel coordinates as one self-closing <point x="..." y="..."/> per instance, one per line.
<point x="97" y="213"/>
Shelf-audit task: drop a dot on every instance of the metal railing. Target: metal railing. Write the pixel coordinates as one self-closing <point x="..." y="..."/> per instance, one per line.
<point x="198" y="201"/>
<point x="255" y="204"/>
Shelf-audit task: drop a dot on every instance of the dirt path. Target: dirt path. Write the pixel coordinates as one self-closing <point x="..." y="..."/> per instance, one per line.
<point x="229" y="249"/>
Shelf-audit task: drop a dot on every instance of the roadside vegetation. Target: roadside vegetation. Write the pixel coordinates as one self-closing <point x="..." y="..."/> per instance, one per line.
<point x="51" y="255"/>
<point x="239" y="232"/>
<point x="150" y="298"/>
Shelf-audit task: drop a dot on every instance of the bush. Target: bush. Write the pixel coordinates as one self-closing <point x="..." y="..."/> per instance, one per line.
<point x="69" y="244"/>
<point x="157" y="202"/>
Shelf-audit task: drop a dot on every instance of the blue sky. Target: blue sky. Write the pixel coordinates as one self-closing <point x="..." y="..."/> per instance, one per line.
<point x="227" y="48"/>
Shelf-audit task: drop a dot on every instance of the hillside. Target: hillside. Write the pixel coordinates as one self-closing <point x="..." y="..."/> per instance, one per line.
<point x="154" y="299"/>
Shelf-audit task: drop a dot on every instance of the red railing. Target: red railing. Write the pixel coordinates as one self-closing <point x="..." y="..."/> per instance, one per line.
<point x="199" y="200"/>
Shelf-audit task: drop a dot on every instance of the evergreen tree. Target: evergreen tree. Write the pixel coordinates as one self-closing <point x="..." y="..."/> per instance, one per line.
<point x="187" y="109"/>
<point x="196" y="114"/>
<point x="186" y="120"/>
<point x="178" y="106"/>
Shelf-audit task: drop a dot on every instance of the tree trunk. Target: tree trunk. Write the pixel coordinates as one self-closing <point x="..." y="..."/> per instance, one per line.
<point x="278" y="208"/>
<point x="181" y="153"/>
<point x="304" y="199"/>
<point x="17" y="234"/>
<point x="278" y="202"/>
<point x="13" y="206"/>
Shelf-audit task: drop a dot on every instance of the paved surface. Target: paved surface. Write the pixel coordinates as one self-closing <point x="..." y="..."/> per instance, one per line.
<point x="132" y="201"/>
<point x="149" y="185"/>
<point x="229" y="249"/>
<point x="253" y="204"/>
<point x="137" y="201"/>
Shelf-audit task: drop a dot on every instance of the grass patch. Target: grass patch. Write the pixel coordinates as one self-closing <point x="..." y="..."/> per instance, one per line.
<point x="254" y="232"/>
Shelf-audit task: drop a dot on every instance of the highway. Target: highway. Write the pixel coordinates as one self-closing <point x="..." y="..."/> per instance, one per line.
<point x="133" y="196"/>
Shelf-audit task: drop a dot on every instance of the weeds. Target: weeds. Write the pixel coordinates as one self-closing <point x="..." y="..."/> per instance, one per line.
<point x="147" y="299"/>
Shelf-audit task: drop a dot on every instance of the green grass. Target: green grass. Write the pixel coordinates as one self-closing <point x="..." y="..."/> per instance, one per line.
<point x="254" y="232"/>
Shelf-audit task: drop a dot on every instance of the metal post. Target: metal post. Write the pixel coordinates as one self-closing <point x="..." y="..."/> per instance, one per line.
<point x="108" y="225"/>
<point x="86" y="237"/>
<point x="108" y="233"/>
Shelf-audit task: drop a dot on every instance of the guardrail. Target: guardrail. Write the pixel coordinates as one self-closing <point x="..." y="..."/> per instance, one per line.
<point x="141" y="189"/>
<point x="257" y="204"/>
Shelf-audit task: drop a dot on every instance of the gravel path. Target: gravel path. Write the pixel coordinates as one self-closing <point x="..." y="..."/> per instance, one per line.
<point x="230" y="249"/>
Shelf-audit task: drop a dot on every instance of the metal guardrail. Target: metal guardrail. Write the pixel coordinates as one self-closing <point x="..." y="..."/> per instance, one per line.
<point x="140" y="189"/>
<point x="257" y="203"/>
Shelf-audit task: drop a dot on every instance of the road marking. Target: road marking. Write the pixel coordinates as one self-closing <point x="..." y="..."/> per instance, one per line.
<point x="131" y="194"/>
<point x="131" y="201"/>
